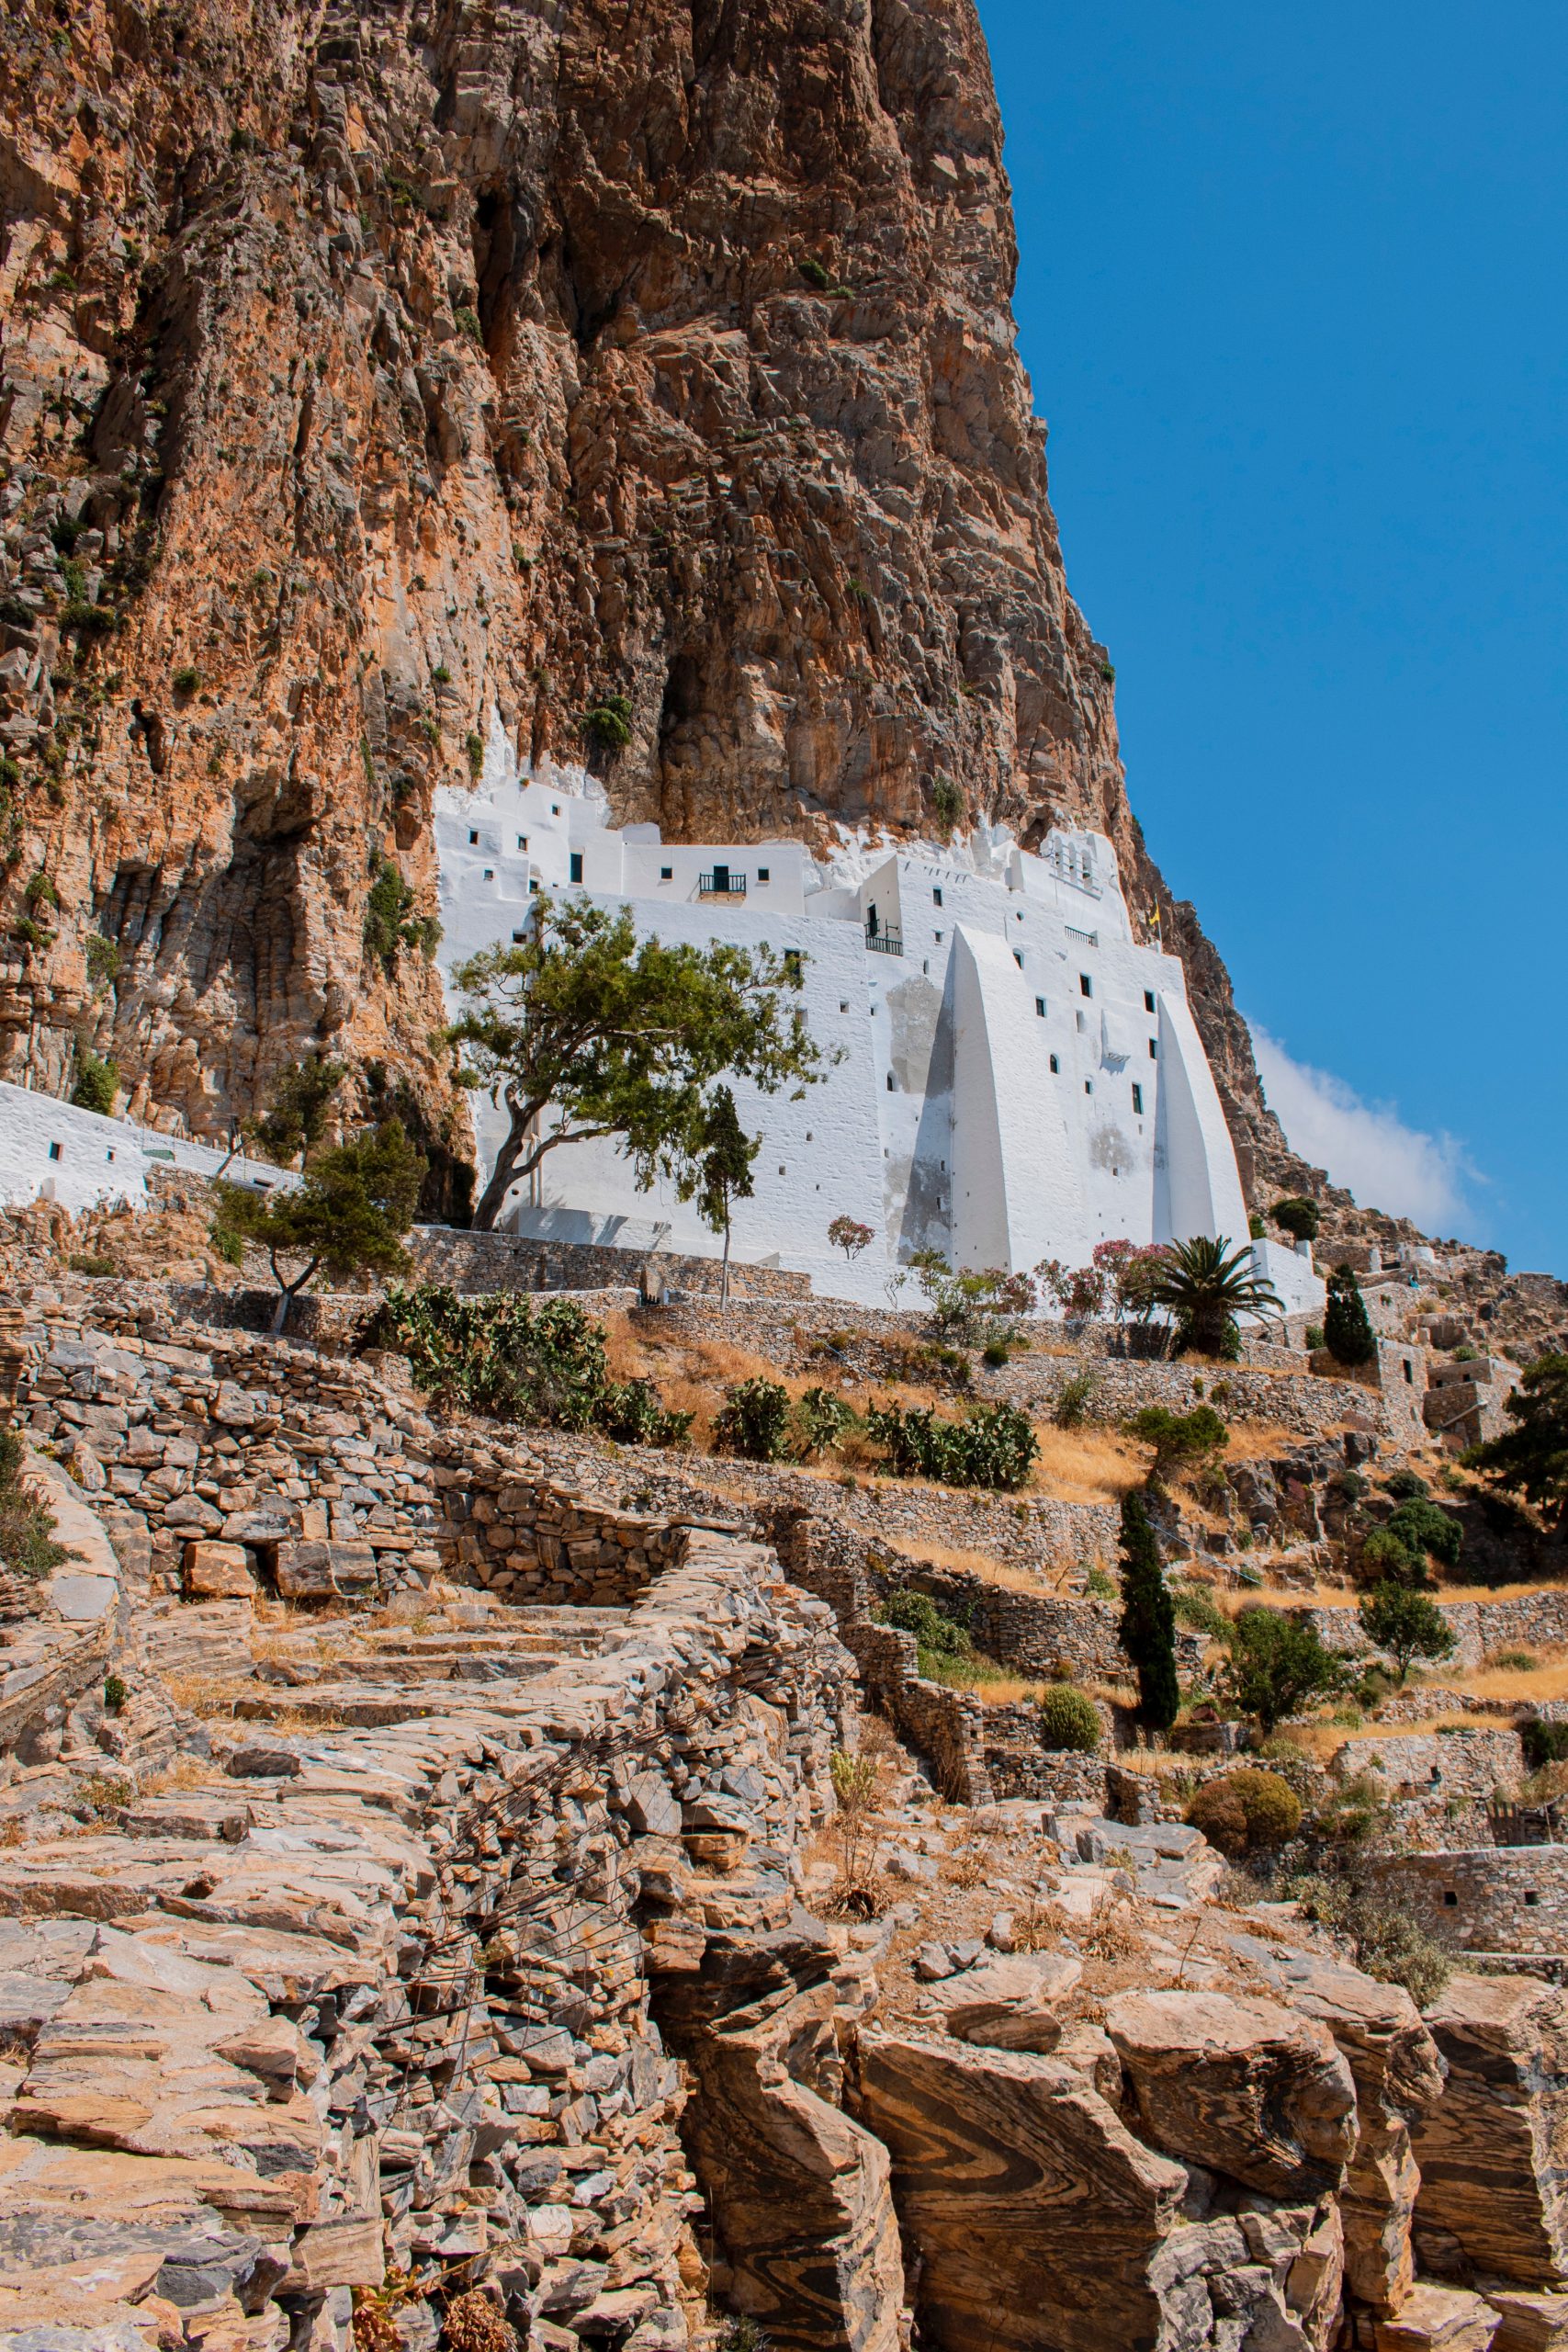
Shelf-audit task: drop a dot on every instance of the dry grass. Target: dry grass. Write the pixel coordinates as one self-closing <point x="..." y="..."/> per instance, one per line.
<point x="980" y="1564"/>
<point x="1088" y="1464"/>
<point x="1547" y="1681"/>
<point x="207" y="1694"/>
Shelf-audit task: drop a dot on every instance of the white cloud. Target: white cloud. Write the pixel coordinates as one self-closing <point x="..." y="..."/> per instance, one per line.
<point x="1365" y="1146"/>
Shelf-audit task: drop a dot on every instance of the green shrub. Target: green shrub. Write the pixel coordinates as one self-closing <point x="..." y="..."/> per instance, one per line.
<point x="995" y="1355"/>
<point x="500" y="1355"/>
<point x="1147" y="1627"/>
<point x="229" y="1245"/>
<point x="1544" y="1743"/>
<point x="1404" y="1486"/>
<point x="1384" y="1937"/>
<point x="609" y="722"/>
<point x="475" y="748"/>
<point x="1277" y="1663"/>
<point x="27" y="1547"/>
<point x="1386" y="1560"/>
<point x="1247" y="1811"/>
<point x="630" y="1411"/>
<point x="390" y="921"/>
<point x="1346" y="1327"/>
<point x="1313" y="1338"/>
<point x="102" y="960"/>
<point x="1424" y="1526"/>
<point x="755" y="1420"/>
<point x="96" y="1081"/>
<point x="1299" y="1217"/>
<point x="185" y="680"/>
<point x="1069" y="1719"/>
<point x="995" y="1446"/>
<point x="1513" y="1661"/>
<point x="88" y="1261"/>
<point x="821" y="1418"/>
<point x="114" y="1694"/>
<point x="947" y="803"/>
<point x="1407" y="1624"/>
<point x="1072" y="1399"/>
<point x="1180" y="1440"/>
<point x="39" y="892"/>
<point x="441" y="675"/>
<point x="1196" y="1608"/>
<point x="468" y="320"/>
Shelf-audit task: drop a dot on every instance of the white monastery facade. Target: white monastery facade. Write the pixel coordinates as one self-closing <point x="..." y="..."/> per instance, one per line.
<point x="1009" y="1074"/>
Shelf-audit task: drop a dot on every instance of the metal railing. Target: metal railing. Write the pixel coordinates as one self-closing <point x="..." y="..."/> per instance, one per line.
<point x="885" y="942"/>
<point x="733" y="886"/>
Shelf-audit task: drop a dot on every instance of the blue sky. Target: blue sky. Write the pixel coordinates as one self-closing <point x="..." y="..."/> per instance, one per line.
<point x="1291" y="295"/>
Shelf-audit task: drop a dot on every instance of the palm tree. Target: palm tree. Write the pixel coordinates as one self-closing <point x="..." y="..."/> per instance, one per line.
<point x="1206" y="1289"/>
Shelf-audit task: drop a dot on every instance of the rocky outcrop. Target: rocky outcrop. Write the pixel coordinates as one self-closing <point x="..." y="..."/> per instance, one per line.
<point x="1493" y="2177"/>
<point x="799" y="2192"/>
<point x="1041" y="2224"/>
<point x="1398" y="2077"/>
<point x="375" y="380"/>
<point x="1243" y="2087"/>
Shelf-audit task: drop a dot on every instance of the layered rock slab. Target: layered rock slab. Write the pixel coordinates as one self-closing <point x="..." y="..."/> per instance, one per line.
<point x="799" y="2192"/>
<point x="1243" y="2088"/>
<point x="1492" y="2149"/>
<point x="1043" y="2225"/>
<point x="1398" y="2076"/>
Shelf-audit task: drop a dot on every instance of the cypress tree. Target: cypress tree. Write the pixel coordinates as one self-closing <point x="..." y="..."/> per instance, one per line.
<point x="1347" y="1328"/>
<point x="1147" y="1631"/>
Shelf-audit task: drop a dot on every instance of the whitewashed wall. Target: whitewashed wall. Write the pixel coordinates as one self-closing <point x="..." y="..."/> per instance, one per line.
<point x="1022" y="1080"/>
<point x="53" y="1151"/>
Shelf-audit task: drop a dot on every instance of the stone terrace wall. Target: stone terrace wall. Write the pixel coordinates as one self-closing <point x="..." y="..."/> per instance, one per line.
<point x="1524" y="1621"/>
<point x="1504" y="1898"/>
<point x="467" y="1917"/>
<point x="487" y="1262"/>
<point x="798" y="1336"/>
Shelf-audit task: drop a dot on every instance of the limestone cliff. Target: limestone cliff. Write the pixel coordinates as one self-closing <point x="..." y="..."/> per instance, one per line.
<point x="371" y="374"/>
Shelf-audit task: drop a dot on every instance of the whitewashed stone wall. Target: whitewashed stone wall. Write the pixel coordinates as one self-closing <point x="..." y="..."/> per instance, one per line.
<point x="1013" y="1076"/>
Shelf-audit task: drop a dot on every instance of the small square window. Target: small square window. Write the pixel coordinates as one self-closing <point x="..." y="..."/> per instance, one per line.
<point x="667" y="874"/>
<point x="763" y="873"/>
<point x="1409" y="1375"/>
<point x="522" y="841"/>
<point x="533" y="886"/>
<point x="1530" y="1895"/>
<point x="1450" y="1897"/>
<point x="940" y="937"/>
<point x="843" y="1004"/>
<point x="108" y="1155"/>
<point x="1086" y="986"/>
<point x="1039" y="1007"/>
<point x="490" y="874"/>
<point x="782" y="1171"/>
<point x="54" y="1151"/>
<point x="1154" y="1051"/>
<point x="1018" y="960"/>
<point x="936" y="898"/>
<point x="890" y="1086"/>
<point x="1148" y="999"/>
<point x="1055" y="1065"/>
<point x="1088" y="1086"/>
<point x="1138" y="1100"/>
<point x="473" y="841"/>
<point x="518" y="937"/>
<point x="555" y="807"/>
<point x="575" y="866"/>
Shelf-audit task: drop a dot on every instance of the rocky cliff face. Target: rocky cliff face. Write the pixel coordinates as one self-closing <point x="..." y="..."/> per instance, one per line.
<point x="373" y="375"/>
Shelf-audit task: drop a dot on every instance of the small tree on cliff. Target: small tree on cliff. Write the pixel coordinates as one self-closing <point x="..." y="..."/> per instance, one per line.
<point x="1531" y="1458"/>
<point x="581" y="1029"/>
<point x="1147" y="1631"/>
<point x="1346" y="1327"/>
<point x="298" y="1109"/>
<point x="345" y="1219"/>
<point x="723" y="1174"/>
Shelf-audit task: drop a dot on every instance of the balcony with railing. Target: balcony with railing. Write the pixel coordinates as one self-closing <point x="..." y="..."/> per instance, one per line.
<point x="721" y="884"/>
<point x="882" y="942"/>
